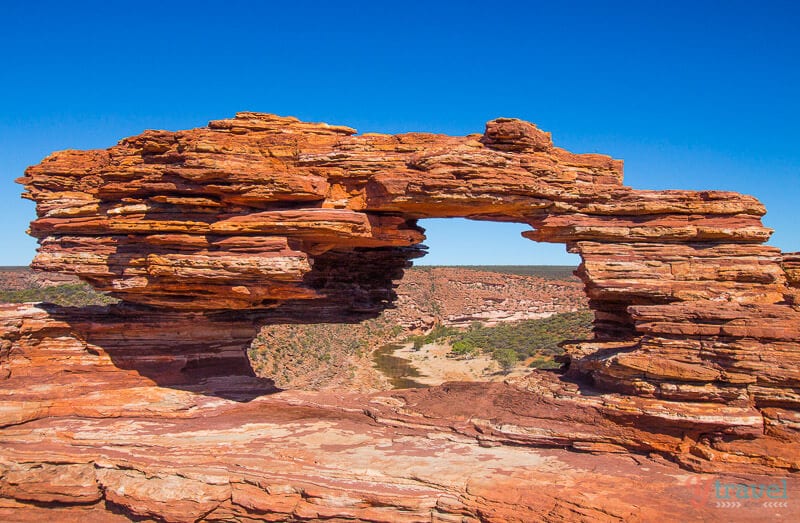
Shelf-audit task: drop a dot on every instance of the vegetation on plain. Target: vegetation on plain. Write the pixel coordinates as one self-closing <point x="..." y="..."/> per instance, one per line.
<point x="509" y="343"/>
<point x="67" y="295"/>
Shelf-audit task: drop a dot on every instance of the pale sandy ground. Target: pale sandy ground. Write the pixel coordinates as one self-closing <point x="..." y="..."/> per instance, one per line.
<point x="432" y="362"/>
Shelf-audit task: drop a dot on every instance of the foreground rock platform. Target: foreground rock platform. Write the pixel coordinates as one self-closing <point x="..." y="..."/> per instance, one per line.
<point x="150" y="409"/>
<point x="93" y="435"/>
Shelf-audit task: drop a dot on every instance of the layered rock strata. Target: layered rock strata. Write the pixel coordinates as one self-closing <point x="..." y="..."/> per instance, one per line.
<point x="316" y="223"/>
<point x="157" y="427"/>
<point x="206" y="233"/>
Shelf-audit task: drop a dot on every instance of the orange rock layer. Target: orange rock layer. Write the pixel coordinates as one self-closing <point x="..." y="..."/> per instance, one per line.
<point x="313" y="222"/>
<point x="116" y="413"/>
<point x="205" y="234"/>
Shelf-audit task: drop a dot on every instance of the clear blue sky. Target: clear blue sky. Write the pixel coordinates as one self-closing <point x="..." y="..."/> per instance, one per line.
<point x="691" y="94"/>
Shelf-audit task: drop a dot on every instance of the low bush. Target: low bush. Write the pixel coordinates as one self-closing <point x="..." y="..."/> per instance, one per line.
<point x="68" y="295"/>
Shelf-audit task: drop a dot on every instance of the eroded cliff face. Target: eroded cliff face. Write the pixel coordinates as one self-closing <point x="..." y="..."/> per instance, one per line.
<point x="207" y="233"/>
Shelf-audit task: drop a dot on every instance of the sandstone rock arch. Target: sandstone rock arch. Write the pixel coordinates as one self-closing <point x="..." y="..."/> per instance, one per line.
<point x="295" y="221"/>
<point x="208" y="233"/>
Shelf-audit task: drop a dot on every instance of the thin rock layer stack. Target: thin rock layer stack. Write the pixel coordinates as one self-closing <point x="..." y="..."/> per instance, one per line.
<point x="311" y="222"/>
<point x="149" y="409"/>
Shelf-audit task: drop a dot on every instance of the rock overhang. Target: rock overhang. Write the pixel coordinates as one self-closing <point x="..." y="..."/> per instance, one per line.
<point x="207" y="234"/>
<point x="302" y="222"/>
<point x="244" y="207"/>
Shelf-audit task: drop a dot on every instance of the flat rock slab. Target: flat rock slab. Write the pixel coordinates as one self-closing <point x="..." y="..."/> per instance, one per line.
<point x="308" y="456"/>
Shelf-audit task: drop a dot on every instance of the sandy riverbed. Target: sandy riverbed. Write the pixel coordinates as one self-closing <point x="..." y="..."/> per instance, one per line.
<point x="432" y="362"/>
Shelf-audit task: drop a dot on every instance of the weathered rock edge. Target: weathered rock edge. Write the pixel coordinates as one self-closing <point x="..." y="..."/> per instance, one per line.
<point x="296" y="221"/>
<point x="106" y="414"/>
<point x="206" y="234"/>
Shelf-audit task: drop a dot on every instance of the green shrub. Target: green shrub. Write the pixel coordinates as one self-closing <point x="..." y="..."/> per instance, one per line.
<point x="507" y="358"/>
<point x="529" y="337"/>
<point x="438" y="332"/>
<point x="541" y="362"/>
<point x="464" y="348"/>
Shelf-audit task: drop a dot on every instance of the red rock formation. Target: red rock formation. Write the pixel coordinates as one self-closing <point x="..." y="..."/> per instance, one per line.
<point x="262" y="212"/>
<point x="791" y="264"/>
<point x="205" y="233"/>
<point x="113" y="413"/>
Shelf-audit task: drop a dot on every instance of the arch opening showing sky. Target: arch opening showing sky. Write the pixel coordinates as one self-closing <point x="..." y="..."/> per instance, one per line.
<point x="459" y="241"/>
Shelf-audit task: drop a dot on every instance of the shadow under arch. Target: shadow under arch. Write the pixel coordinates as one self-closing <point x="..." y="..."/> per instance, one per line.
<point x="193" y="351"/>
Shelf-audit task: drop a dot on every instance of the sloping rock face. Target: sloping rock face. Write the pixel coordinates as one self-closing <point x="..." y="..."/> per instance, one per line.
<point x="205" y="234"/>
